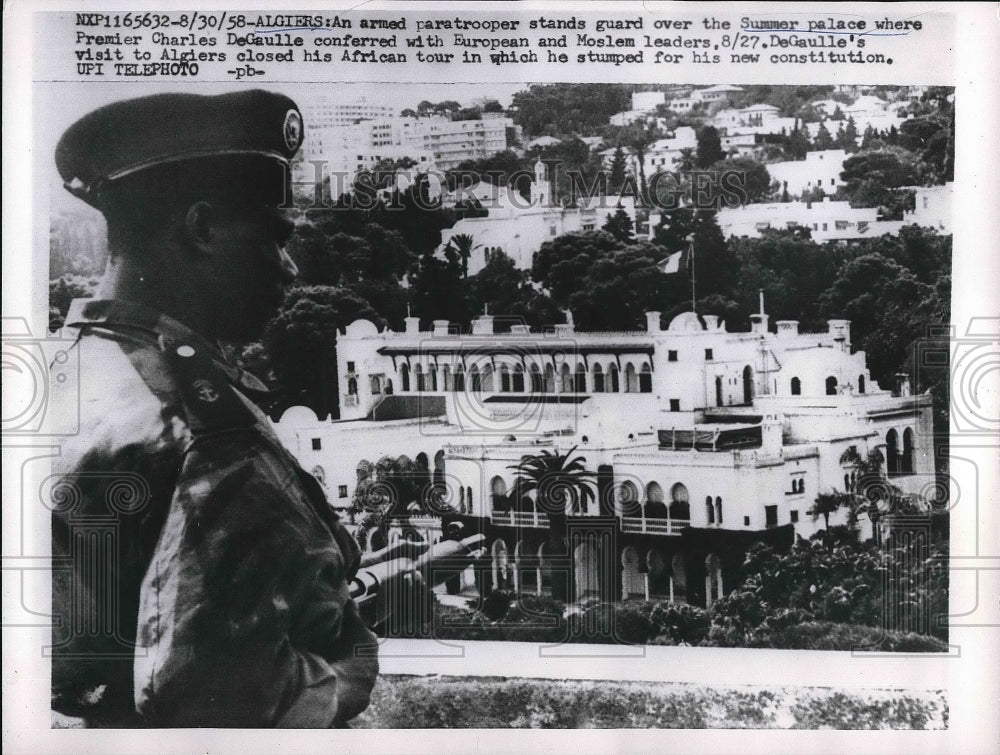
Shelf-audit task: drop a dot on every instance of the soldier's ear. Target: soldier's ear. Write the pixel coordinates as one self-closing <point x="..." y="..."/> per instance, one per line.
<point x="199" y="224"/>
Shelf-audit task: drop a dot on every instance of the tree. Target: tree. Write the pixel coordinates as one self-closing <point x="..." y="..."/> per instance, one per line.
<point x="619" y="288"/>
<point x="617" y="176"/>
<point x="562" y="486"/>
<point x="753" y="179"/>
<point x="301" y="342"/>
<point x="827" y="504"/>
<point x="568" y="108"/>
<point x="823" y="139"/>
<point x="871" y="493"/>
<point x="709" y="149"/>
<point x="638" y="136"/>
<point x="563" y="264"/>
<point x="798" y="142"/>
<point x="438" y="291"/>
<point x="847" y="138"/>
<point x="620" y="226"/>
<point x="463" y="245"/>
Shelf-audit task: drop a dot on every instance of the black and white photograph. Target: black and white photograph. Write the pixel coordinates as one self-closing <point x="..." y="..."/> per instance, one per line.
<point x="353" y="396"/>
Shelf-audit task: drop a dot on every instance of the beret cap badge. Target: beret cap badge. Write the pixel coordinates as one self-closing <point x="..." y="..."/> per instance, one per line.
<point x="176" y="129"/>
<point x="292" y="130"/>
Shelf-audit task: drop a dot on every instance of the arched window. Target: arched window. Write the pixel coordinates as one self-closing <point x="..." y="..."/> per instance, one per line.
<point x="646" y="379"/>
<point x="718" y="510"/>
<point x="613" y="378"/>
<point x="550" y="380"/>
<point x="628" y="499"/>
<point x="475" y="380"/>
<point x="388" y="386"/>
<point x="418" y="373"/>
<point x="404" y="377"/>
<point x="432" y="373"/>
<point x="459" y="378"/>
<point x="907" y="460"/>
<point x="488" y="378"/>
<point x="796" y="387"/>
<point x="718" y="390"/>
<point x="580" y="382"/>
<point x="352" y="387"/>
<point x="831" y="386"/>
<point x="498" y="489"/>
<point x="655" y="507"/>
<point x="504" y="379"/>
<point x="847" y="483"/>
<point x="709" y="510"/>
<point x="631" y="381"/>
<point x="598" y="379"/>
<point x="892" y="453"/>
<point x="537" y="384"/>
<point x="566" y="381"/>
<point x="449" y="383"/>
<point x="680" y="506"/>
<point x="376" y="385"/>
<point x="747" y="385"/>
<point x="517" y="384"/>
<point x="861" y="383"/>
<point x="468" y="498"/>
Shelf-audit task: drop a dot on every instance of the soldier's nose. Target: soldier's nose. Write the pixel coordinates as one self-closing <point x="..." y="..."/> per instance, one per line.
<point x="289" y="270"/>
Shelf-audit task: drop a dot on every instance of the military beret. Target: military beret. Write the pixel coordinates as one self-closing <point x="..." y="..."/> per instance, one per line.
<point x="125" y="138"/>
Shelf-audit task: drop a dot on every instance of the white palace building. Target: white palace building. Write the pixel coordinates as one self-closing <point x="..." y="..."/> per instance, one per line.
<point x="701" y="441"/>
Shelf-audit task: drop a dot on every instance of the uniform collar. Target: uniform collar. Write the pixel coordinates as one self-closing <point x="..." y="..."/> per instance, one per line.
<point x="115" y="314"/>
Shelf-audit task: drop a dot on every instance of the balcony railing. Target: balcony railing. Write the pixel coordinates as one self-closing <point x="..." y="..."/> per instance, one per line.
<point x="520" y="518"/>
<point x="654" y="526"/>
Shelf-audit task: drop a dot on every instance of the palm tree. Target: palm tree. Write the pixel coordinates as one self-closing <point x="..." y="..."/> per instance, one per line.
<point x="639" y="137"/>
<point x="829" y="503"/>
<point x="463" y="244"/>
<point x="871" y="492"/>
<point x="562" y="484"/>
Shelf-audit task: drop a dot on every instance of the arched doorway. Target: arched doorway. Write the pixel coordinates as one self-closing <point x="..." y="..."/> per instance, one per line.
<point x="678" y="579"/>
<point x="658" y="574"/>
<point x="634" y="585"/>
<point x="585" y="572"/>
<point x="713" y="579"/>
<point x="747" y="385"/>
<point x="499" y="565"/>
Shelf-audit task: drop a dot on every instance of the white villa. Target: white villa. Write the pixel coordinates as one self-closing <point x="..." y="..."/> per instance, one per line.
<point x="702" y="441"/>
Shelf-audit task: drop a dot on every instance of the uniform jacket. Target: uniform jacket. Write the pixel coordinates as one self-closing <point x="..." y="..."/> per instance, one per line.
<point x="200" y="577"/>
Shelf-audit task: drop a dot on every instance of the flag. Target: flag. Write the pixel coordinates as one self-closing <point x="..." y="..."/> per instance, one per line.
<point x="678" y="262"/>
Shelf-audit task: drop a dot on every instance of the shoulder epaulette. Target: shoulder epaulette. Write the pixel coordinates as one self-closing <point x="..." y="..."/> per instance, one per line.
<point x="210" y="402"/>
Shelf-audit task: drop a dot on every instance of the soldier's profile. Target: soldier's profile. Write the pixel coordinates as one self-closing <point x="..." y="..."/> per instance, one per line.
<point x="200" y="577"/>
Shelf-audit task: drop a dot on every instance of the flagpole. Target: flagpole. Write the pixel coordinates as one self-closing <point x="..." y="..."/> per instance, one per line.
<point x="691" y="241"/>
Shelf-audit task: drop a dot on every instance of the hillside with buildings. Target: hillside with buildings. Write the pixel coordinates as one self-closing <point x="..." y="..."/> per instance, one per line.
<point x="630" y="334"/>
